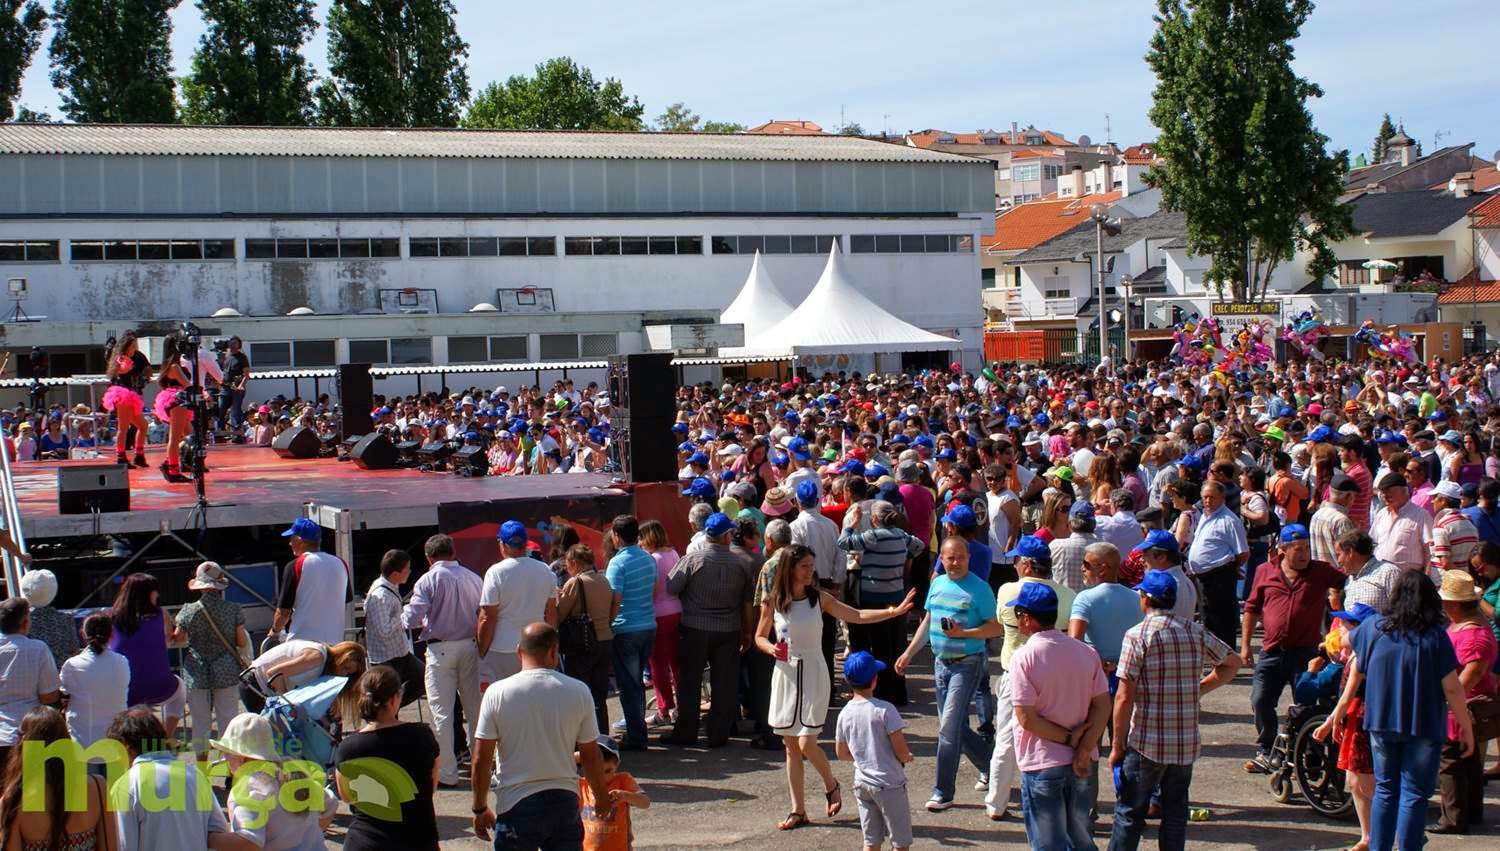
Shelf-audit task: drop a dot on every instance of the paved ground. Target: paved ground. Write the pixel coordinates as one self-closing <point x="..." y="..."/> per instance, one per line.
<point x="733" y="797"/>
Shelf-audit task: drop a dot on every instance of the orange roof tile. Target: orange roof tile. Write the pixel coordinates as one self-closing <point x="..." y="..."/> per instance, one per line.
<point x="929" y="137"/>
<point x="1485" y="178"/>
<point x="1487" y="214"/>
<point x="1033" y="223"/>
<point x="1031" y="153"/>
<point x="1143" y="154"/>
<point x="792" y="127"/>
<point x="1465" y="291"/>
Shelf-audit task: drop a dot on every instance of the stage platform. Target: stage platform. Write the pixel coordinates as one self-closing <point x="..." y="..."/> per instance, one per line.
<point x="252" y="486"/>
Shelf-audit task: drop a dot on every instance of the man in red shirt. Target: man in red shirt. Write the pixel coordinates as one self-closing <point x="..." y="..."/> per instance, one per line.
<point x="1290" y="601"/>
<point x="1351" y="458"/>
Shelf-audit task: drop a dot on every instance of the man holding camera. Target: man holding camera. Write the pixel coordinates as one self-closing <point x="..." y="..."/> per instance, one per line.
<point x="232" y="386"/>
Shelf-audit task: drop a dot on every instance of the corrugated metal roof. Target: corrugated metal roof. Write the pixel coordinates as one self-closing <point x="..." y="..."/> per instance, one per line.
<point x="175" y="140"/>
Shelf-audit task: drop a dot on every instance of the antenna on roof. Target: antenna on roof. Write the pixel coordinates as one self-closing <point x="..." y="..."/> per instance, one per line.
<point x="1107" y="137"/>
<point x="1438" y="136"/>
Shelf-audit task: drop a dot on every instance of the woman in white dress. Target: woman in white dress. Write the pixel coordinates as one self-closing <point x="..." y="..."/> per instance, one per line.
<point x="800" y="685"/>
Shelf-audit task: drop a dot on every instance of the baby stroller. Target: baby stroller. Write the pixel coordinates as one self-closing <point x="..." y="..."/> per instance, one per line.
<point x="301" y="722"/>
<point x="1302" y="764"/>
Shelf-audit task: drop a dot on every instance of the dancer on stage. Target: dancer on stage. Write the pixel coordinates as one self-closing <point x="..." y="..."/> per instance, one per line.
<point x="171" y="405"/>
<point x="128" y="372"/>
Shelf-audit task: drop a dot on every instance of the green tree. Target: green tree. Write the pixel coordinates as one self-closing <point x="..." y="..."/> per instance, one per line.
<point x="112" y="60"/>
<point x="722" y="127"/>
<point x="1382" y="138"/>
<point x="852" y="129"/>
<point x="1243" y="160"/>
<point x="21" y="26"/>
<point x="563" y="95"/>
<point x="249" y="67"/>
<point x="677" y="118"/>
<point x="395" y="63"/>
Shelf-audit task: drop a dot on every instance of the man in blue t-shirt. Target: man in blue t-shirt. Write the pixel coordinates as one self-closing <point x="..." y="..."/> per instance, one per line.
<point x="1104" y="610"/>
<point x="632" y="575"/>
<point x="1485" y="516"/>
<point x="966" y="602"/>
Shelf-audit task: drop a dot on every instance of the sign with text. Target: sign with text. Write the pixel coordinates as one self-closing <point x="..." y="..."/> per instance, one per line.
<point x="1246" y="308"/>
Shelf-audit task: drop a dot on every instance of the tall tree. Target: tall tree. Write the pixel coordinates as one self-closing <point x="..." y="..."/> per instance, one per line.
<point x="249" y="67"/>
<point x="21" y="26"/>
<point x="1242" y="158"/>
<point x="112" y="59"/>
<point x="1382" y="139"/>
<point x="563" y="95"/>
<point x="677" y="118"/>
<point x="395" y="63"/>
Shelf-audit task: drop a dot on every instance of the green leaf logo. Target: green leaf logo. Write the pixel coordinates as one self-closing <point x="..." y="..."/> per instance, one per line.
<point x="379" y="787"/>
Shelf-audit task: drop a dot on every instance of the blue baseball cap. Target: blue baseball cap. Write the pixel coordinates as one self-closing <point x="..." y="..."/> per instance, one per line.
<point x="807" y="492"/>
<point x="924" y="440"/>
<point x="1356" y="613"/>
<point x="700" y="488"/>
<point x="961" y="516"/>
<point x="860" y="668"/>
<point x="1035" y="597"/>
<point x="1015" y="422"/>
<point x="305" y="528"/>
<point x="1391" y="437"/>
<point x="686" y="446"/>
<point x="1082" y="508"/>
<point x="1285" y="411"/>
<point x="1159" y="585"/>
<point x="1042" y="420"/>
<point x="946" y="454"/>
<point x="1292" y="532"/>
<point x="1159" y="539"/>
<point x="680" y="428"/>
<point x="853" y="467"/>
<point x="726" y="476"/>
<point x="1321" y="434"/>
<point x="1032" y="547"/>
<point x="717" y="524"/>
<point x="875" y="471"/>
<point x="1192" y="462"/>
<point x="512" y="532"/>
<point x="698" y="458"/>
<point x="798" y="447"/>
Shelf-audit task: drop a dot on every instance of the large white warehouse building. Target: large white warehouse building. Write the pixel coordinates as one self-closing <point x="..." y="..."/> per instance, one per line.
<point x="391" y="237"/>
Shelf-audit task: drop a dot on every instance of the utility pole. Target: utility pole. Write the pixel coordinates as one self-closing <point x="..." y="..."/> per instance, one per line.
<point x="1107" y="135"/>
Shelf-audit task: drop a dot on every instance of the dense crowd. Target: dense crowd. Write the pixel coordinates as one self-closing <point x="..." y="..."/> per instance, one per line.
<point x="1081" y="554"/>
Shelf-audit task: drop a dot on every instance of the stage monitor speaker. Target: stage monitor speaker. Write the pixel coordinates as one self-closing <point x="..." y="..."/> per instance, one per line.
<point x="355" y="391"/>
<point x="643" y="390"/>
<point x="97" y="487"/>
<point x="375" y="451"/>
<point x="471" y="461"/>
<point x="297" y="442"/>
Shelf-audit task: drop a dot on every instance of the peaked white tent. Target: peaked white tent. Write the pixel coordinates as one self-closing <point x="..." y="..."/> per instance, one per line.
<point x="836" y="318"/>
<point x="759" y="305"/>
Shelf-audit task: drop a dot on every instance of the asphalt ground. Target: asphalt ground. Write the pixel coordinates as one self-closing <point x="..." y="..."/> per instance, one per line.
<point x="733" y="797"/>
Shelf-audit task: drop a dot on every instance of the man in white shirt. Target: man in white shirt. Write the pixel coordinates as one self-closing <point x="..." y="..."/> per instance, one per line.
<point x="386" y="640"/>
<point x="533" y="721"/>
<point x="314" y="588"/>
<point x="28" y="674"/>
<point x="518" y="590"/>
<point x="800" y="466"/>
<point x="1004" y="514"/>
<point x="157" y="777"/>
<point x="1120" y="526"/>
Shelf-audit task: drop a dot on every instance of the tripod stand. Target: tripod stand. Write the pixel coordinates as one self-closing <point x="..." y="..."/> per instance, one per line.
<point x="195" y="446"/>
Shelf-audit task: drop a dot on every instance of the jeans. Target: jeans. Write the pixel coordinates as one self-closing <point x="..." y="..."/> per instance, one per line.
<point x="1259" y="550"/>
<point x="956" y="680"/>
<point x="1216" y="599"/>
<point x="1140" y="777"/>
<point x="885" y="641"/>
<point x="451" y="676"/>
<point x="1406" y="769"/>
<point x="592" y="669"/>
<point x="231" y="407"/>
<point x="544" y="820"/>
<point x="1055" y="802"/>
<point x="1275" y="670"/>
<point x="632" y="652"/>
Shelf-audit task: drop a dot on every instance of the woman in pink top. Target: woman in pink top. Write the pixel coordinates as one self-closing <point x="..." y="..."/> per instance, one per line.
<point x="668" y="618"/>
<point x="1461" y="778"/>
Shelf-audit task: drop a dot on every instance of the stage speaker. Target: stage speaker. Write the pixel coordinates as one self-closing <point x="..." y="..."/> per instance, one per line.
<point x="97" y="487"/>
<point x="643" y="391"/>
<point x="297" y="443"/>
<point x="355" y="391"/>
<point x="471" y="461"/>
<point x="375" y="451"/>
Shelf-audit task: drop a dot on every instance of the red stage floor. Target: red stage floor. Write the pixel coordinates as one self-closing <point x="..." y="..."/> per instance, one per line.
<point x="251" y="486"/>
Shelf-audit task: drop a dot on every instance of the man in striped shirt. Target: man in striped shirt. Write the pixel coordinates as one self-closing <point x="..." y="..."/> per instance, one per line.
<point x="1454" y="538"/>
<point x="885" y="552"/>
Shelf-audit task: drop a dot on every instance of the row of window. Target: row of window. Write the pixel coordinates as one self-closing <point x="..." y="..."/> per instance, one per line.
<point x="399" y="351"/>
<point x="930" y="243"/>
<point x="332" y="248"/>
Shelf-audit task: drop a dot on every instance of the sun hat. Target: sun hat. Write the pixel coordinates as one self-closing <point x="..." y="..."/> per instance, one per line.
<point x="210" y="577"/>
<point x="249" y="735"/>
<point x="1449" y="489"/>
<point x="776" y="503"/>
<point x="39" y="587"/>
<point x="1458" y="587"/>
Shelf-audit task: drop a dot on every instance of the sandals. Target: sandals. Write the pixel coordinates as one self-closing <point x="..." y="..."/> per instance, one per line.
<point x="1259" y="765"/>
<point x="835" y="798"/>
<point x="793" y="821"/>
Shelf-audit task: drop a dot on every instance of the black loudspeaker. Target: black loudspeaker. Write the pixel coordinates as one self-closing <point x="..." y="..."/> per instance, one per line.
<point x="97" y="487"/>
<point x="355" y="391"/>
<point x="471" y="461"/>
<point x="297" y="443"/>
<point x="375" y="451"/>
<point x="643" y="391"/>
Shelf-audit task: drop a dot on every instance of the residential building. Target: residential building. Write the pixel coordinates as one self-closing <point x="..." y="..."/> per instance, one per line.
<point x="1475" y="297"/>
<point x="1029" y="163"/>
<point x="1424" y="233"/>
<point x="1405" y="168"/>
<point x="1018" y="230"/>
<point x="787" y="127"/>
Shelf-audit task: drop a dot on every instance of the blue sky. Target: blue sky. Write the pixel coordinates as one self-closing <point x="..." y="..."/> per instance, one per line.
<point x="962" y="65"/>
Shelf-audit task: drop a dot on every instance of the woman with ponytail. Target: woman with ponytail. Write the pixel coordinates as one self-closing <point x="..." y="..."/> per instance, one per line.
<point x="409" y="744"/>
<point x="169" y="405"/>
<point x="128" y="371"/>
<point x="96" y="680"/>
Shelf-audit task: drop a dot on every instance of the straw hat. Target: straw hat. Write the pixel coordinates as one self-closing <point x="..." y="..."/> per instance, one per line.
<point x="210" y="577"/>
<point x="1458" y="587"/>
<point x="248" y="735"/>
<point x="778" y="502"/>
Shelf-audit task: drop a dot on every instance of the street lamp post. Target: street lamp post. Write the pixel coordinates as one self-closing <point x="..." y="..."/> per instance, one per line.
<point x="1126" y="281"/>
<point x="1102" y="224"/>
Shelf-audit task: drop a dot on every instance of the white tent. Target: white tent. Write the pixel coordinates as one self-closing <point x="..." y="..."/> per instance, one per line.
<point x="758" y="306"/>
<point x="837" y="319"/>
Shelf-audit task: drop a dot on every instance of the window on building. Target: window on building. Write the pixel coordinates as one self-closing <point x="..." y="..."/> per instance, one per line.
<point x="385" y="247"/>
<point x="468" y="349"/>
<point x="1026" y="172"/>
<point x="1004" y="174"/>
<point x="778" y="245"/>
<point x="309" y="353"/>
<point x="723" y="244"/>
<point x="887" y="243"/>
<point x="558" y="346"/>
<point x="691" y="245"/>
<point x="257" y="249"/>
<point x="1051" y="172"/>
<point x="453" y="247"/>
<point x="323" y="249"/>
<point x="150" y="250"/>
<point x="635" y="245"/>
<point x="986" y="279"/>
<point x="509" y="348"/>
<point x="154" y="250"/>
<point x="488" y="246"/>
<point x="1352" y="273"/>
<point x="411" y="350"/>
<point x="120" y="250"/>
<point x="541" y="246"/>
<point x="766" y="244"/>
<point x="354" y="248"/>
<point x="318" y="248"/>
<point x="597" y="345"/>
<point x="29" y="251"/>
<point x="270" y="354"/>
<point x="862" y="243"/>
<point x="366" y="351"/>
<point x="422" y="246"/>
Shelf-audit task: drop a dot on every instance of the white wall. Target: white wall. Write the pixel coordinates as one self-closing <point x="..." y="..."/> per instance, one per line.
<point x="1488" y="254"/>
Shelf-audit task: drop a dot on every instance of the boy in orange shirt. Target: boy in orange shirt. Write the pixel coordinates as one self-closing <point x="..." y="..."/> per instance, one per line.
<point x="612" y="833"/>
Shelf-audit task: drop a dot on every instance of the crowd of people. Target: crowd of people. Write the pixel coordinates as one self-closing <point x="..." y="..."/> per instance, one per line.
<point x="1080" y="553"/>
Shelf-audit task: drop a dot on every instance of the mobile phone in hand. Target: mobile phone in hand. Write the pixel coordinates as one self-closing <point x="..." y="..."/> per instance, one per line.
<point x="945" y="623"/>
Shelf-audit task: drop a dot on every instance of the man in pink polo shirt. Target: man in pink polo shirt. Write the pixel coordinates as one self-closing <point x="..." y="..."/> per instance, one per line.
<point x="1061" y="701"/>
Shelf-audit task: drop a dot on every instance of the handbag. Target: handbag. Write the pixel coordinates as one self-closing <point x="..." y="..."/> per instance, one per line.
<point x="576" y="635"/>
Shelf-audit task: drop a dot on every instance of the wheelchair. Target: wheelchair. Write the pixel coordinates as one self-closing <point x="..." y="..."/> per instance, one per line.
<point x="1302" y="765"/>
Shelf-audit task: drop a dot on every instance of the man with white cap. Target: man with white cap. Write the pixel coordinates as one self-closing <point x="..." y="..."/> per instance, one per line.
<point x="48" y="625"/>
<point x="1454" y="538"/>
<point x="255" y="804"/>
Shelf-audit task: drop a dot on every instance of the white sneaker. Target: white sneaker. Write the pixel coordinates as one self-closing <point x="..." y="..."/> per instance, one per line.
<point x="937" y="805"/>
<point x="620" y="725"/>
<point x="982" y="784"/>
